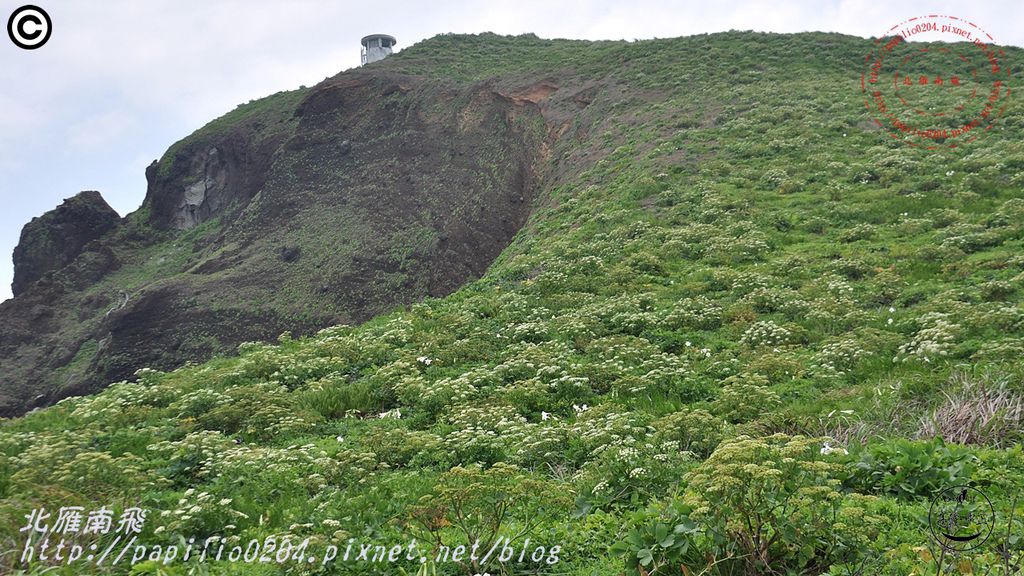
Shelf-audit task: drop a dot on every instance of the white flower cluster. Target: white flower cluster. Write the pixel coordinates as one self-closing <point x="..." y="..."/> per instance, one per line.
<point x="839" y="287"/>
<point x="112" y="402"/>
<point x="933" y="341"/>
<point x="309" y="464"/>
<point x="541" y="444"/>
<point x="447" y="391"/>
<point x="550" y="281"/>
<point x="834" y="358"/>
<point x="399" y="331"/>
<point x="198" y="402"/>
<point x="765" y="333"/>
<point x="745" y="282"/>
<point x="661" y="370"/>
<point x="600" y="428"/>
<point x="196" y="453"/>
<point x="969" y="237"/>
<point x="490" y="416"/>
<point x="473" y="444"/>
<point x="749" y="246"/>
<point x="200" y="511"/>
<point x="623" y="314"/>
<point x="1005" y="350"/>
<point x="529" y="332"/>
<point x="699" y="313"/>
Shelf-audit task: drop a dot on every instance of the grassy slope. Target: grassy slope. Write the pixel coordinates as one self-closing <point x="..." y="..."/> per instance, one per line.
<point x="741" y="246"/>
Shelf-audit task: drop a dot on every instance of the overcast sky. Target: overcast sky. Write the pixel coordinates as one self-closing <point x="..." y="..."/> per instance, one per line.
<point x="120" y="80"/>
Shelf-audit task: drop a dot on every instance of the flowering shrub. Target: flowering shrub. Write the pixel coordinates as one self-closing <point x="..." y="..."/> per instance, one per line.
<point x="934" y="341"/>
<point x="444" y="393"/>
<point x="858" y="232"/>
<point x="1002" y="350"/>
<point x="693" y="430"/>
<point x="774" y="503"/>
<point x="482" y="433"/>
<point x="968" y="237"/>
<point x="471" y="505"/>
<point x="625" y="314"/>
<point x="747" y="247"/>
<point x="765" y="333"/>
<point x="836" y="357"/>
<point x="699" y="313"/>
<point x="200" y="513"/>
<point x="198" y="402"/>
<point x="192" y="456"/>
<point x="541" y="445"/>
<point x="772" y="179"/>
<point x="400" y="447"/>
<point x="628" y="470"/>
<point x="62" y="465"/>
<point x="256" y="411"/>
<point x="743" y="397"/>
<point x="605" y="426"/>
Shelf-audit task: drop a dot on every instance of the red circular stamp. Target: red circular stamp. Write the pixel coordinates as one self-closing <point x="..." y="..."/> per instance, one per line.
<point x="935" y="81"/>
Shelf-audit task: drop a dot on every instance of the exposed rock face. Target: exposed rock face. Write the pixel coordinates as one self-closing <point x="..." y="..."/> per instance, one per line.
<point x="53" y="240"/>
<point x="207" y="177"/>
<point x="307" y="209"/>
<point x="207" y="195"/>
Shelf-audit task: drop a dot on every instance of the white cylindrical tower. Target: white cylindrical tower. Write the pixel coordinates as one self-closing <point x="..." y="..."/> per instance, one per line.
<point x="376" y="47"/>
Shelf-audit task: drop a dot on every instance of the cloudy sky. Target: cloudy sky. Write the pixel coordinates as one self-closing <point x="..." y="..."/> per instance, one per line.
<point x="120" y="80"/>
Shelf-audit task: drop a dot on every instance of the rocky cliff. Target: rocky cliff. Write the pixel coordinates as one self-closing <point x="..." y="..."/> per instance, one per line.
<point x="309" y="208"/>
<point x="53" y="240"/>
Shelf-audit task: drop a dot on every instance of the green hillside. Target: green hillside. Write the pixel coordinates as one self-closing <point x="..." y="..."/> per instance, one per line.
<point x="743" y="331"/>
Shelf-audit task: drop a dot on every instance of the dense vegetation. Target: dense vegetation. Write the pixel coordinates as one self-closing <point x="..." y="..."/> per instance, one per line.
<point x="751" y="334"/>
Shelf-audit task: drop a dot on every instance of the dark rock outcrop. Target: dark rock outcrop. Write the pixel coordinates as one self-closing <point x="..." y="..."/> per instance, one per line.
<point x="303" y="210"/>
<point x="53" y="240"/>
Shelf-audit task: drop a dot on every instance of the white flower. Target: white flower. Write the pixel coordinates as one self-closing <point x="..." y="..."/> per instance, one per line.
<point x="891" y="309"/>
<point x="544" y="415"/>
<point x="826" y="449"/>
<point x="950" y="173"/>
<point x="889" y="321"/>
<point x="580" y="409"/>
<point x="424" y="360"/>
<point x="688" y="344"/>
<point x="339" y="438"/>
